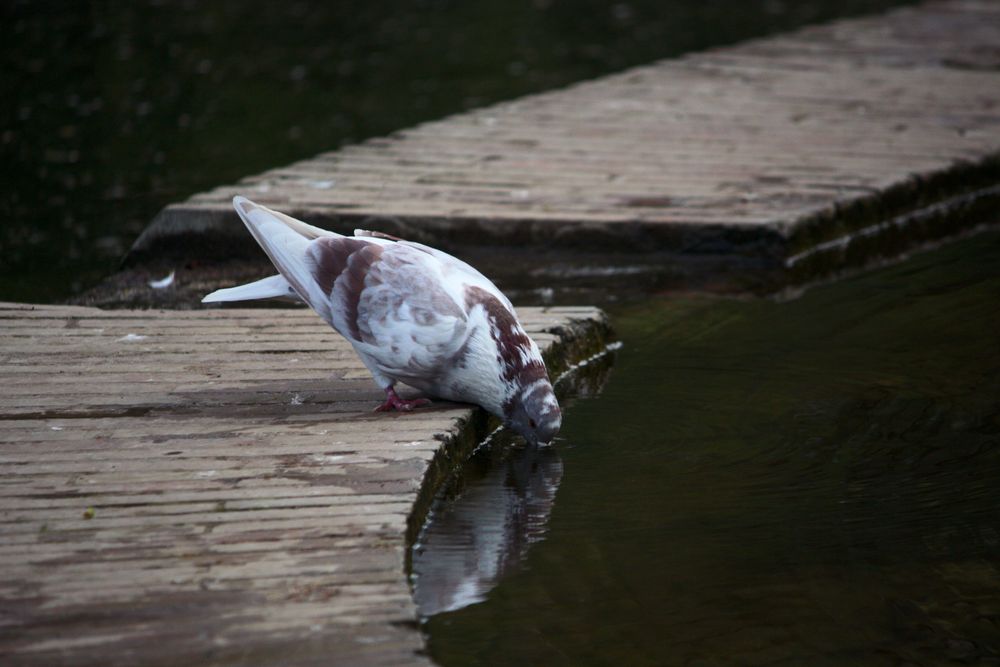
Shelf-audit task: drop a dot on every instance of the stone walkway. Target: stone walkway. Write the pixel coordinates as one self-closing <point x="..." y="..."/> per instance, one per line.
<point x="797" y="154"/>
<point x="212" y="487"/>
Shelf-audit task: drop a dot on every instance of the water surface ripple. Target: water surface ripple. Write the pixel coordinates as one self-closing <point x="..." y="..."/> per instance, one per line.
<point x="810" y="482"/>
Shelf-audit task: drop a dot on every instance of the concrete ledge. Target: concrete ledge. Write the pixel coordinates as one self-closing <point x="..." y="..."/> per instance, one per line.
<point x="211" y="487"/>
<point x="753" y="166"/>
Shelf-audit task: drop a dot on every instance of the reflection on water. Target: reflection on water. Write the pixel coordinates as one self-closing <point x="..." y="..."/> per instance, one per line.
<point x="809" y="482"/>
<point x="485" y="518"/>
<point x="474" y="538"/>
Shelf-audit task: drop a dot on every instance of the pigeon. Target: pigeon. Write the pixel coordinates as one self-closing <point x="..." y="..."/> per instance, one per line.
<point x="413" y="314"/>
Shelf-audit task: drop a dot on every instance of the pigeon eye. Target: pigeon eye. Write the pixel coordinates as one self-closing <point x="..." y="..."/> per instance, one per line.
<point x="531" y="423"/>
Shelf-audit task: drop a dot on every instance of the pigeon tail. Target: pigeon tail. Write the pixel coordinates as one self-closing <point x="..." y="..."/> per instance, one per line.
<point x="266" y="288"/>
<point x="285" y="240"/>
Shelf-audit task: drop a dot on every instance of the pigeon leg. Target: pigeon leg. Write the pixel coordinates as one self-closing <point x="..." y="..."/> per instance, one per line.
<point x="394" y="402"/>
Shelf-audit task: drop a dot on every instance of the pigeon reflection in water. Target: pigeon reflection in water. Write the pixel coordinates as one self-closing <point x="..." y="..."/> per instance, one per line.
<point x="474" y="540"/>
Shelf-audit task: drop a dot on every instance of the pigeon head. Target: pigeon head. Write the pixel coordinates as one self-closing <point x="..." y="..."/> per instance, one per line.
<point x="533" y="412"/>
<point x="527" y="403"/>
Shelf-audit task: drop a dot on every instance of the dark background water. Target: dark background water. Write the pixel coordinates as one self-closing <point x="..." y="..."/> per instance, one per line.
<point x="810" y="482"/>
<point x="111" y="110"/>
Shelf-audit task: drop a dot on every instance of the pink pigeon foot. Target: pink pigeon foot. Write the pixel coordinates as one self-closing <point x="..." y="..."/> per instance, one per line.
<point x="394" y="402"/>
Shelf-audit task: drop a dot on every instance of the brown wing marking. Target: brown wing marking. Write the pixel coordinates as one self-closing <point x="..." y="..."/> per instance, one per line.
<point x="509" y="337"/>
<point x="344" y="262"/>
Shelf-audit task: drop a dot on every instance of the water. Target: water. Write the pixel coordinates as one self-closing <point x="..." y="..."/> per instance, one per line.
<point x="482" y="528"/>
<point x="110" y="111"/>
<point x="808" y="482"/>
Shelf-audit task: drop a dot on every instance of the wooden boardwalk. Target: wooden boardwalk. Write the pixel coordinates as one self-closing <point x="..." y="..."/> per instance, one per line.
<point x="211" y="487"/>
<point x="800" y="152"/>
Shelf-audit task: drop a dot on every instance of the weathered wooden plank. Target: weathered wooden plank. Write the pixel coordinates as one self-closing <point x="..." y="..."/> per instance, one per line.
<point x="217" y="489"/>
<point x="768" y="150"/>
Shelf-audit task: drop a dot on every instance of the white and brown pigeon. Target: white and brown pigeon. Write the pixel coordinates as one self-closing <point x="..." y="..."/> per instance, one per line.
<point x="413" y="314"/>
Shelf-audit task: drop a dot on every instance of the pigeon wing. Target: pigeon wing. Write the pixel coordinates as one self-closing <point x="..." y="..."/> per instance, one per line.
<point x="402" y="305"/>
<point x="394" y="303"/>
<point x="452" y="267"/>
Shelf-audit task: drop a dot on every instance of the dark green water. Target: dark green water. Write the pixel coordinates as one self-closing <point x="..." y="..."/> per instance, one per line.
<point x="111" y="110"/>
<point x="814" y="482"/>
